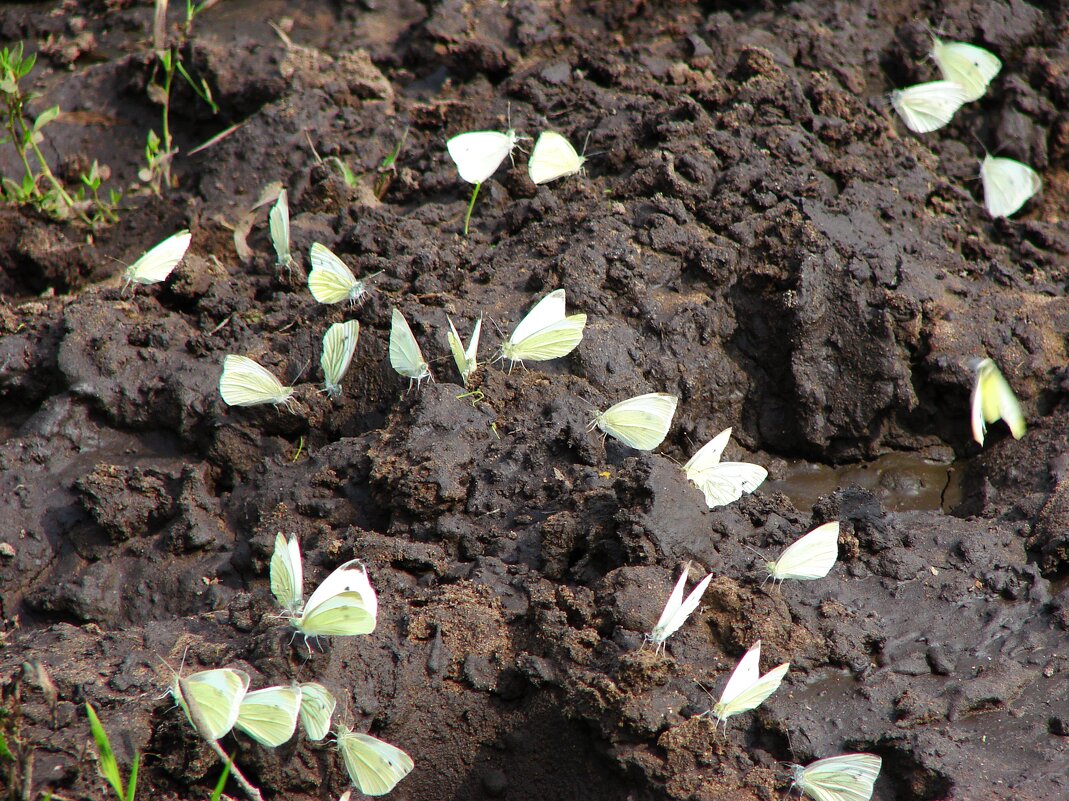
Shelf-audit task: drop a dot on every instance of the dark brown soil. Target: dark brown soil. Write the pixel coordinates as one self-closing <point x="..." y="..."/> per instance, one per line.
<point x="755" y="234"/>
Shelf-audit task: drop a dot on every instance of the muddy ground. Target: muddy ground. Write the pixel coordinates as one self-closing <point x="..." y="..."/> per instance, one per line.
<point x="754" y="232"/>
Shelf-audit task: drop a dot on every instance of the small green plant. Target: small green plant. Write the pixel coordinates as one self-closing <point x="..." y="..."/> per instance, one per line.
<point x="109" y="767"/>
<point x="39" y="186"/>
<point x="388" y="168"/>
<point x="104" y="210"/>
<point x="160" y="149"/>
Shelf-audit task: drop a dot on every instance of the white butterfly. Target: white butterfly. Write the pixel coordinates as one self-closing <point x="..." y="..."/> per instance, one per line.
<point x="330" y="280"/>
<point x="969" y="66"/>
<point x="279" y="223"/>
<point x="269" y="716"/>
<point x="810" y="557"/>
<point x="157" y="263"/>
<point x="478" y="154"/>
<point x="641" y="422"/>
<point x="545" y="333"/>
<point x="374" y="766"/>
<point x="993" y="400"/>
<point x="722" y="482"/>
<point x="339" y="345"/>
<point x="747" y="688"/>
<point x="211" y="699"/>
<point x="344" y="604"/>
<point x="928" y="106"/>
<point x="405" y="356"/>
<point x="553" y="157"/>
<point x="677" y="610"/>
<point x="847" y="777"/>
<point x="245" y="382"/>
<point x="466" y="359"/>
<point x="317" y="707"/>
<point x="1008" y="185"/>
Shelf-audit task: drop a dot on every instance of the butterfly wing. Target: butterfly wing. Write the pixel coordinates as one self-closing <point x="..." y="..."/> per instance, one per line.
<point x="641" y="422"/>
<point x="553" y="157"/>
<point x="969" y="66"/>
<point x="847" y="777"/>
<point x="678" y="609"/>
<point x="745" y="674"/>
<point x="556" y="340"/>
<point x="993" y="400"/>
<point x="279" y="224"/>
<point x="345" y="603"/>
<point x="1008" y="185"/>
<point x="405" y="356"/>
<point x="478" y="154"/>
<point x="707" y="457"/>
<point x="212" y="699"/>
<point x="331" y="280"/>
<point x="928" y="106"/>
<point x="466" y="359"/>
<point x="749" y="696"/>
<point x="317" y="708"/>
<point x="471" y="355"/>
<point x="339" y="345"/>
<point x="661" y="631"/>
<point x="546" y="312"/>
<point x="245" y="382"/>
<point x="158" y="262"/>
<point x="374" y="766"/>
<point x="269" y="716"/>
<point x="287" y="573"/>
<point x="810" y="557"/>
<point x="727" y="482"/>
<point x="456" y="347"/>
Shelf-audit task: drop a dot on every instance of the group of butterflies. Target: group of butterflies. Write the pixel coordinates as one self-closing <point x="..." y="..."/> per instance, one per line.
<point x="846" y="777"/>
<point x="547" y="332"/>
<point x="967" y="70"/>
<point x="216" y="701"/>
<point x="478" y="154"/>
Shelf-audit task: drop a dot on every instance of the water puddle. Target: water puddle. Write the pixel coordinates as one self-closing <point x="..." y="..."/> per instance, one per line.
<point x="902" y="481"/>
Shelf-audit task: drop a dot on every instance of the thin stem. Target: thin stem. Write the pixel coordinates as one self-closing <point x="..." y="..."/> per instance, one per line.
<point x="16" y="126"/>
<point x="169" y="69"/>
<point x="243" y="783"/>
<point x="47" y="172"/>
<point x="471" y="206"/>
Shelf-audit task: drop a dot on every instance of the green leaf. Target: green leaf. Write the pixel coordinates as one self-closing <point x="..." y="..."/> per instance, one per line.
<point x="5" y="752"/>
<point x="45" y="117"/>
<point x="157" y="94"/>
<point x="109" y="768"/>
<point x="131" y="787"/>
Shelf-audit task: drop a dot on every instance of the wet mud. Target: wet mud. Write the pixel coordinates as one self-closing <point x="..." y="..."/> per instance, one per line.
<point x="753" y="232"/>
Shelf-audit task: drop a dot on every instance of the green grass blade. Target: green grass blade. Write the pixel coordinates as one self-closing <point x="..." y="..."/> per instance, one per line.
<point x="5" y="752"/>
<point x="109" y="768"/>
<point x="131" y="786"/>
<point x="219" y="785"/>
